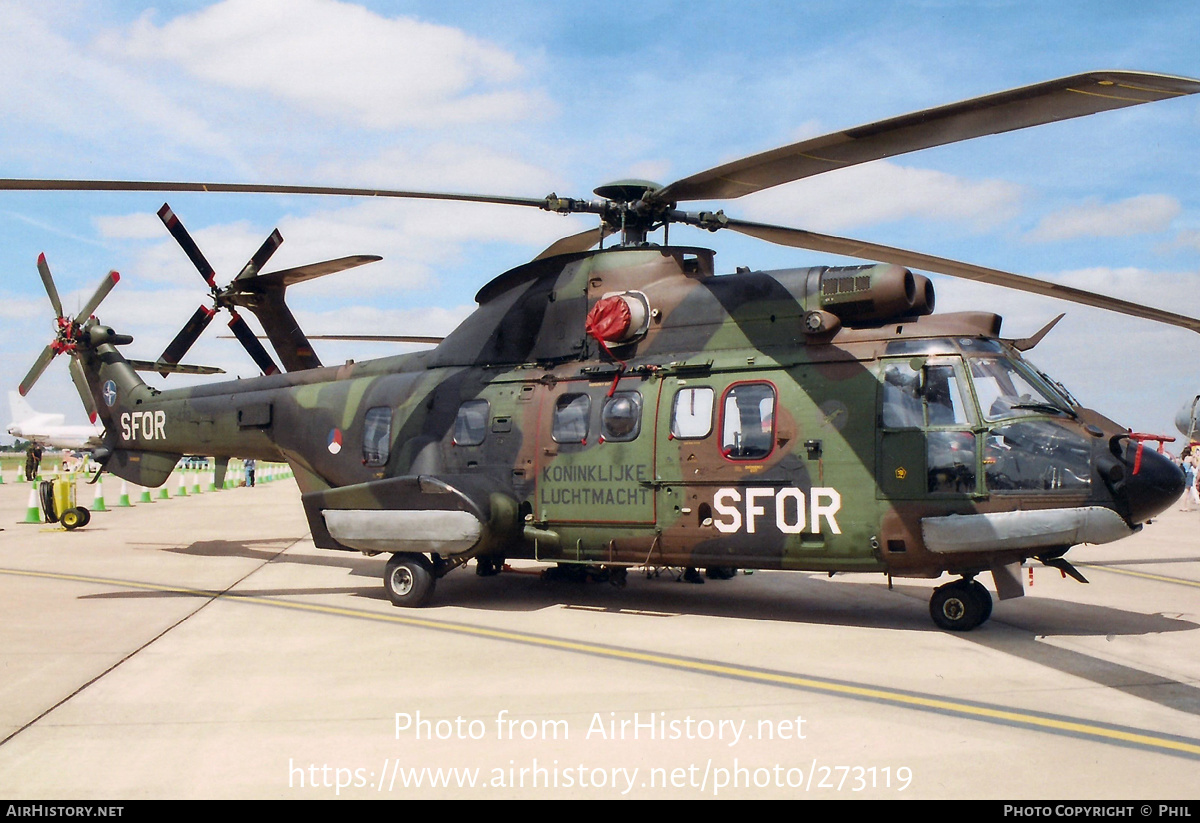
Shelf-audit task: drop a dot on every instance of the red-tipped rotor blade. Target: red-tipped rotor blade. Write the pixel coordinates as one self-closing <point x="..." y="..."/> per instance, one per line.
<point x="48" y="282"/>
<point x="81" y="385"/>
<point x="39" y="366"/>
<point x="261" y="256"/>
<point x="250" y="343"/>
<point x="188" y="335"/>
<point x="189" y="245"/>
<point x="106" y="285"/>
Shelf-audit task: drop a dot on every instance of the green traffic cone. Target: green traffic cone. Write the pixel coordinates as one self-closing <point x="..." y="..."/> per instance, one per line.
<point x="98" y="498"/>
<point x="33" y="513"/>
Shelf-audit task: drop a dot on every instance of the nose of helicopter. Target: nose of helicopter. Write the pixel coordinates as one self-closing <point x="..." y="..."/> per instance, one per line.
<point x="1152" y="483"/>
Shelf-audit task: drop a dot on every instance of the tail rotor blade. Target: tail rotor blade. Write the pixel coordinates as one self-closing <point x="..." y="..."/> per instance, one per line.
<point x="260" y="258"/>
<point x="250" y="343"/>
<point x="188" y="335"/>
<point x="106" y="285"/>
<point x="39" y="366"/>
<point x="81" y="385"/>
<point x="48" y="282"/>
<point x="189" y="245"/>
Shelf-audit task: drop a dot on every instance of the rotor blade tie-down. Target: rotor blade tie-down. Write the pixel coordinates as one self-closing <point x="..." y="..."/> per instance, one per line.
<point x="608" y="320"/>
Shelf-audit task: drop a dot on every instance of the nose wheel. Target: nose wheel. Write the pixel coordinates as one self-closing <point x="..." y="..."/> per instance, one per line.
<point x="409" y="579"/>
<point x="960" y="606"/>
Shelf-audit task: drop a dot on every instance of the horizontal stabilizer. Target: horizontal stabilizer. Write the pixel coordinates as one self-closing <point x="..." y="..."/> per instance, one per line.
<point x="147" y="469"/>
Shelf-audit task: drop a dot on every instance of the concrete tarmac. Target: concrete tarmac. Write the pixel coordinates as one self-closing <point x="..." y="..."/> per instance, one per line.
<point x="201" y="647"/>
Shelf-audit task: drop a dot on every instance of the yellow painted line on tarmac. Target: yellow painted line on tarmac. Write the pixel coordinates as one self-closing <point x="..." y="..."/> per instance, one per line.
<point x="1074" y="727"/>
<point x="1159" y="577"/>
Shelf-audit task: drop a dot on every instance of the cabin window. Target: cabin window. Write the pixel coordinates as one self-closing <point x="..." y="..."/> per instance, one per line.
<point x="621" y="417"/>
<point x="691" y="416"/>
<point x="748" y="421"/>
<point x="470" y="425"/>
<point x="377" y="435"/>
<point x="571" y="413"/>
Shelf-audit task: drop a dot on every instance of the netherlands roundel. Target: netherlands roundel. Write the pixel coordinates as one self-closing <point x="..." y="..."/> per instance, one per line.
<point x="335" y="441"/>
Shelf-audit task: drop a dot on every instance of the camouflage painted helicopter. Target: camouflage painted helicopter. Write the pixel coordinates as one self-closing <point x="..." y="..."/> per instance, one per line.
<point x="628" y="407"/>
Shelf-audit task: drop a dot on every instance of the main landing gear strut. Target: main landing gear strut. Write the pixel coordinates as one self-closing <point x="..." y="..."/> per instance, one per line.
<point x="960" y="606"/>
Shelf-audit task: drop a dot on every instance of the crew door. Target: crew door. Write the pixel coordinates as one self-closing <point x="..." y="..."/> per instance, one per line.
<point x="927" y="442"/>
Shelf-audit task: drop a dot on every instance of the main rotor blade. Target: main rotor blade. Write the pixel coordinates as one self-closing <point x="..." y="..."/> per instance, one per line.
<point x="167" y="368"/>
<point x="190" y="248"/>
<point x="183" y="341"/>
<point x="39" y="366"/>
<point x="1035" y="105"/>
<point x="582" y="241"/>
<point x="106" y="285"/>
<point x="9" y="184"/>
<point x="81" y="385"/>
<point x="287" y="277"/>
<point x="48" y="282"/>
<point x="250" y="343"/>
<point x="261" y="256"/>
<point x="801" y="239"/>
<point x="365" y="338"/>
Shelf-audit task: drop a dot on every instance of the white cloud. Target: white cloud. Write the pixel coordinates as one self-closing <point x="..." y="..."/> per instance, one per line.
<point x="341" y="60"/>
<point x="1143" y="214"/>
<point x="136" y="226"/>
<point x="881" y="192"/>
<point x="459" y="167"/>
<point x="1189" y="239"/>
<point x="66" y="88"/>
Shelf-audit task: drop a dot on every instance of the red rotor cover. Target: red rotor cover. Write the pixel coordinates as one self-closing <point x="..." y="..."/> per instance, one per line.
<point x="609" y="319"/>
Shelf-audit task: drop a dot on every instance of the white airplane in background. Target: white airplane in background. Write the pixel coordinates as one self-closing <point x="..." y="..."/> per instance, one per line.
<point x="48" y="429"/>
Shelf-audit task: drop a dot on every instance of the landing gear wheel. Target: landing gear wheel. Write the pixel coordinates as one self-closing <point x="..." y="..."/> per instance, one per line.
<point x="985" y="599"/>
<point x="720" y="572"/>
<point x="958" y="606"/>
<point x="73" y="518"/>
<point x="488" y="567"/>
<point x="408" y="580"/>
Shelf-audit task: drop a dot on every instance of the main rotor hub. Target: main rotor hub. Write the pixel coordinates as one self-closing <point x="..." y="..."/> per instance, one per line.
<point x="626" y="191"/>
<point x="633" y="209"/>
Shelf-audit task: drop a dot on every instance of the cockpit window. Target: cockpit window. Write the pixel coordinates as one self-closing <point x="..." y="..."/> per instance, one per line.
<point x="936" y="345"/>
<point x="930" y="395"/>
<point x="979" y="345"/>
<point x="1004" y="390"/>
<point x="1036" y="455"/>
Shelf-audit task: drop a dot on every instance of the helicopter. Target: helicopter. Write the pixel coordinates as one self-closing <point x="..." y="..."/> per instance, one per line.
<point x="626" y="406"/>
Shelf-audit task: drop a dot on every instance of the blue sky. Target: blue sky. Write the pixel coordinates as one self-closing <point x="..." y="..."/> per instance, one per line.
<point x="524" y="98"/>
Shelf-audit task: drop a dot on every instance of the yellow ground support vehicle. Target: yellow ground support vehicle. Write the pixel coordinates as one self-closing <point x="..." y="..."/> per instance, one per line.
<point x="58" y="503"/>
